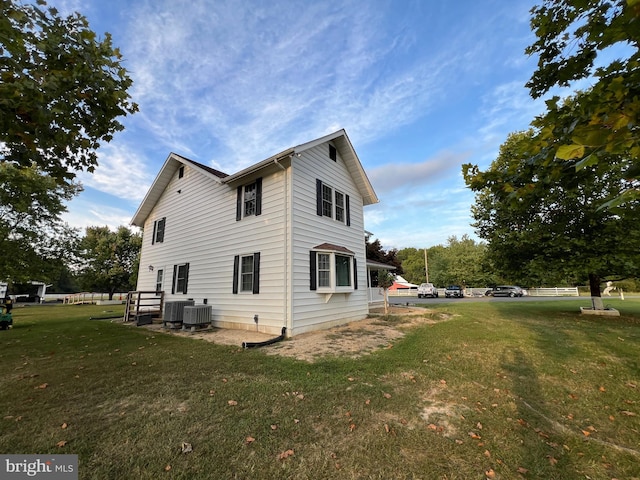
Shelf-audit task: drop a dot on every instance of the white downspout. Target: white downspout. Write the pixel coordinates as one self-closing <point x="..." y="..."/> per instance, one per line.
<point x="285" y="246"/>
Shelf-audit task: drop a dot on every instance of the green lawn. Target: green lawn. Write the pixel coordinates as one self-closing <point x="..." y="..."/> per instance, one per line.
<point x="492" y="390"/>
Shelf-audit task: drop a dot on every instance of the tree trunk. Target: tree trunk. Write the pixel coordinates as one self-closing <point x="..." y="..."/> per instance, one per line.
<point x="111" y="292"/>
<point x="594" y="288"/>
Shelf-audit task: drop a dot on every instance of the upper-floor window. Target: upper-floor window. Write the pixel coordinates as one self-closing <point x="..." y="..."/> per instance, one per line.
<point x="158" y="230"/>
<point x="249" y="199"/>
<point x="332" y="203"/>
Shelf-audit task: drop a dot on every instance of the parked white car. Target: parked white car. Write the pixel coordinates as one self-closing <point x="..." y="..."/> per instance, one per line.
<point x="427" y="290"/>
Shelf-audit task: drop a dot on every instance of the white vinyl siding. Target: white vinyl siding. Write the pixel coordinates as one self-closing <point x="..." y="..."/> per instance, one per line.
<point x="208" y="237"/>
<point x="313" y="309"/>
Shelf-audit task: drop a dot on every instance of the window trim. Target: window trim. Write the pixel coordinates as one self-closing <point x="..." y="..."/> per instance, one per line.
<point x="237" y="274"/>
<point x="321" y="202"/>
<point x="176" y="279"/>
<point x="314" y="270"/>
<point x="241" y="201"/>
<point x="159" y="279"/>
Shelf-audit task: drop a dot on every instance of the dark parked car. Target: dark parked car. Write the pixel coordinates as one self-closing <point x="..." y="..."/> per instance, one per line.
<point x="506" y="291"/>
<point x="453" y="291"/>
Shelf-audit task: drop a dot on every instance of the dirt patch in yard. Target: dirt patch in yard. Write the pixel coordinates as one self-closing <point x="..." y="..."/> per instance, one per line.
<point x="352" y="340"/>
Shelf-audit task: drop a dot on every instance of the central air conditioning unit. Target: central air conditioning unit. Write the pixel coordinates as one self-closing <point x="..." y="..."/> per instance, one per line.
<point x="196" y="316"/>
<point x="174" y="313"/>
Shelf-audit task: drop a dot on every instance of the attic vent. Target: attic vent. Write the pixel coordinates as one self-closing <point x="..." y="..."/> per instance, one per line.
<point x="181" y="172"/>
<point x="333" y="155"/>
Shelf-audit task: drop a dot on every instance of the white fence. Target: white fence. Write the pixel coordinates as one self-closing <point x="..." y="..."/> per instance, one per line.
<point x="479" y="292"/>
<point x="554" y="292"/>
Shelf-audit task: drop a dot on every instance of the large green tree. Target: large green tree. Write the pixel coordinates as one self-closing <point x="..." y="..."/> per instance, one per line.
<point x="34" y="242"/>
<point x="61" y="90"/>
<point x="558" y="231"/>
<point x="459" y="261"/>
<point x="602" y="121"/>
<point x="109" y="259"/>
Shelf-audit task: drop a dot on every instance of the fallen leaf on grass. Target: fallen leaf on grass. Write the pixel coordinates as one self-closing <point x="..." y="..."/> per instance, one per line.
<point x="286" y="454"/>
<point x="490" y="473"/>
<point x="386" y="395"/>
<point x="474" y="435"/>
<point x="631" y="385"/>
<point x="167" y="468"/>
<point x="628" y="413"/>
<point x="232" y="402"/>
<point x="42" y="386"/>
<point x="63" y="426"/>
<point x="212" y="393"/>
<point x="487" y="453"/>
<point x="586" y="433"/>
<point x="352" y="427"/>
<point x="61" y="443"/>
<point x="522" y="470"/>
<point x="249" y="440"/>
<point x="274" y="427"/>
<point x="602" y="389"/>
<point x="552" y="460"/>
<point x="186" y="447"/>
<point x="431" y="426"/>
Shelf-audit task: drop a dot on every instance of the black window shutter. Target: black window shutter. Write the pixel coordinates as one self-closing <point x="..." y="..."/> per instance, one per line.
<point x="313" y="280"/>
<point x="355" y="273"/>
<point x="319" y="197"/>
<point x="239" y="204"/>
<point x="236" y="268"/>
<point x="155" y="226"/>
<point x="259" y="196"/>
<point x="175" y="277"/>
<point x="256" y="272"/>
<point x="348" y="209"/>
<point x="186" y="277"/>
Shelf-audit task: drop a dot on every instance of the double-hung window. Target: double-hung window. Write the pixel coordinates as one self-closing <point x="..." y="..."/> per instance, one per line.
<point x="249" y="200"/>
<point x="158" y="230"/>
<point x="332" y="269"/>
<point x="332" y="203"/>
<point x="246" y="273"/>
<point x="159" y="276"/>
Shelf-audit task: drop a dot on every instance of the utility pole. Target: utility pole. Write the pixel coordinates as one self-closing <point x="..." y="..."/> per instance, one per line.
<point x="426" y="265"/>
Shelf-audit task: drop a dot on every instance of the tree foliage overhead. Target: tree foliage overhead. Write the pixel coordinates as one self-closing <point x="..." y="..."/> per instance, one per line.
<point x="109" y="259"/>
<point x="603" y="120"/>
<point x="34" y="242"/>
<point x="557" y="232"/>
<point x="61" y="90"/>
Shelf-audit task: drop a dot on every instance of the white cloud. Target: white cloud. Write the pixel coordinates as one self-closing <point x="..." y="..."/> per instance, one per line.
<point x="407" y="176"/>
<point x="121" y="173"/>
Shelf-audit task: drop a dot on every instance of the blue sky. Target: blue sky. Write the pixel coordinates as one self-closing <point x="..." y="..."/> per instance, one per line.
<point x="421" y="87"/>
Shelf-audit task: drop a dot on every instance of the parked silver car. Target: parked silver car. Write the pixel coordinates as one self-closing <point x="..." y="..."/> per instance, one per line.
<point x="506" y="291"/>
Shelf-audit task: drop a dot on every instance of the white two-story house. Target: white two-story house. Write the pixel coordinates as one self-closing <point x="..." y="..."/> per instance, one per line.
<point x="278" y="244"/>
